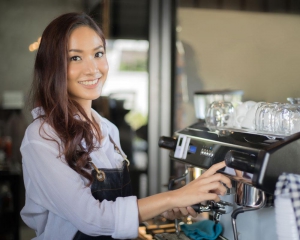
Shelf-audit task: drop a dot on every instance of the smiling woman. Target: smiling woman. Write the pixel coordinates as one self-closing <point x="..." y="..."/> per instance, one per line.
<point x="76" y="175"/>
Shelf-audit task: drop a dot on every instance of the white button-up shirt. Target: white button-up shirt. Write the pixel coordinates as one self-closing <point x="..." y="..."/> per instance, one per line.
<point x="58" y="202"/>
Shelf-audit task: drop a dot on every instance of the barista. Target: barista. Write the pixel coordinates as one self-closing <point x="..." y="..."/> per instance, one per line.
<point x="75" y="172"/>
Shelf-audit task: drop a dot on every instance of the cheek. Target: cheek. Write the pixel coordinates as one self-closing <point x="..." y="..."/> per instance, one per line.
<point x="71" y="79"/>
<point x="104" y="67"/>
<point x="71" y="73"/>
<point x="70" y="87"/>
<point x="107" y="67"/>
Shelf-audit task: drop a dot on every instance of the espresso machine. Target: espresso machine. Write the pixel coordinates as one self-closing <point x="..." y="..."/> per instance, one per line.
<point x="253" y="163"/>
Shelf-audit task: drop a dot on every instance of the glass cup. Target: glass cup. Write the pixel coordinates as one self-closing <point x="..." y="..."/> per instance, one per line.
<point x="286" y="119"/>
<point x="249" y="119"/>
<point x="293" y="100"/>
<point x="258" y="112"/>
<point x="264" y="117"/>
<point x="220" y="114"/>
<point x="242" y="111"/>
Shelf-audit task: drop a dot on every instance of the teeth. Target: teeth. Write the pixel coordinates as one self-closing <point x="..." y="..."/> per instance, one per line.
<point x="89" y="82"/>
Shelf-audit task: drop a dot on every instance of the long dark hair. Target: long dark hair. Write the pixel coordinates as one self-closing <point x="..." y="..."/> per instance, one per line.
<point x="49" y="91"/>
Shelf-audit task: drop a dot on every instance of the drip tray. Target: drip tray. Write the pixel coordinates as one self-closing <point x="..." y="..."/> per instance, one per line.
<point x="170" y="236"/>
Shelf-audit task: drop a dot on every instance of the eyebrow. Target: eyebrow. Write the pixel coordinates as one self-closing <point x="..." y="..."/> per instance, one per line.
<point x="78" y="50"/>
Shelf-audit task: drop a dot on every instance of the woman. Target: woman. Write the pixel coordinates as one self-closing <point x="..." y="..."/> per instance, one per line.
<point x="75" y="173"/>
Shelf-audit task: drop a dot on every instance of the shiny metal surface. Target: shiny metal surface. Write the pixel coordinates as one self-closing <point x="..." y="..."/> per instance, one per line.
<point x="247" y="196"/>
<point x="254" y="200"/>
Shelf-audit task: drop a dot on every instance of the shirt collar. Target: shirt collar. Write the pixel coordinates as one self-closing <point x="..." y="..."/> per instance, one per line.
<point x="36" y="112"/>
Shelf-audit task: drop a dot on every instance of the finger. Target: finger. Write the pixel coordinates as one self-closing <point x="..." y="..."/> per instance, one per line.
<point x="192" y="212"/>
<point x="214" y="168"/>
<point x="184" y="212"/>
<point x="177" y="213"/>
<point x="175" y="210"/>
<point x="211" y="196"/>
<point x="212" y="187"/>
<point x="220" y="191"/>
<point x="164" y="214"/>
<point x="216" y="177"/>
<point x="169" y="215"/>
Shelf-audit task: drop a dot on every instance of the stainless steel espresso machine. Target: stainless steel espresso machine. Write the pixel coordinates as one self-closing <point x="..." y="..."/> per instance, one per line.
<point x="253" y="162"/>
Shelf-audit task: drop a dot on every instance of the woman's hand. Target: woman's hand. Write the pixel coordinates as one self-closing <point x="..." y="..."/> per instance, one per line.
<point x="211" y="184"/>
<point x="177" y="213"/>
<point x="206" y="187"/>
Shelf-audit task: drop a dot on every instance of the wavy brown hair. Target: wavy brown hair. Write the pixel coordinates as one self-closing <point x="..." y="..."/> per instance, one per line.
<point x="49" y="91"/>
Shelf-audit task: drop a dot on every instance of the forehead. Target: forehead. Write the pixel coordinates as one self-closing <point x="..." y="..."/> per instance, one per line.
<point x="84" y="37"/>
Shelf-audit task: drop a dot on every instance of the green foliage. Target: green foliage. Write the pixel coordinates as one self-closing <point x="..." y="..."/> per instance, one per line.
<point x="136" y="119"/>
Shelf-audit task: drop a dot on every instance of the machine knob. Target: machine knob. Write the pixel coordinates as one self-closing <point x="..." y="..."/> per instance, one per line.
<point x="240" y="161"/>
<point x="167" y="142"/>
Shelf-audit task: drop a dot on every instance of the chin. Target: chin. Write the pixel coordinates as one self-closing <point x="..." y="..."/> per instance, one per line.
<point x="95" y="96"/>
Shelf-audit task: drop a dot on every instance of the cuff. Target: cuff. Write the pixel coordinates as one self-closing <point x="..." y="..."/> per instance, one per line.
<point x="127" y="220"/>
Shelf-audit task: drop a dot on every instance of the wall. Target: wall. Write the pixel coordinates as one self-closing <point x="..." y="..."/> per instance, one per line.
<point x="21" y="23"/>
<point x="256" y="52"/>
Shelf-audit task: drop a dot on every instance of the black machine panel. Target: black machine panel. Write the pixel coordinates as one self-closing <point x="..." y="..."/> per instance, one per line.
<point x="255" y="159"/>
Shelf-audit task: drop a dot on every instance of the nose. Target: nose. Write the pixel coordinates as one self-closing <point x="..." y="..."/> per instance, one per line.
<point x="91" y="66"/>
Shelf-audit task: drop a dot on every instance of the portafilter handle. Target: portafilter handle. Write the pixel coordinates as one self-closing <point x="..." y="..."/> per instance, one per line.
<point x="218" y="208"/>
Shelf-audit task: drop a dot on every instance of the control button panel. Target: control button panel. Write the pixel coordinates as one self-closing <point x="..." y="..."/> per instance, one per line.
<point x="207" y="151"/>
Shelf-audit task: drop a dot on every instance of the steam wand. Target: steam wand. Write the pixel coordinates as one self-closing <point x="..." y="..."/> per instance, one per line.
<point x="245" y="209"/>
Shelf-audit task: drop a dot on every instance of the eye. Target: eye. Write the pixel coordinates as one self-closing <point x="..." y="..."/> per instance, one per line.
<point x="99" y="54"/>
<point x="75" y="58"/>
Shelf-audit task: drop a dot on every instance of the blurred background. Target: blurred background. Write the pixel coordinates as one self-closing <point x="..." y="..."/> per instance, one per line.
<point x="160" y="53"/>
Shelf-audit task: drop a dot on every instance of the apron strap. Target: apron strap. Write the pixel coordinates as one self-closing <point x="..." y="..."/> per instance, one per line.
<point x="100" y="174"/>
<point x="119" y="151"/>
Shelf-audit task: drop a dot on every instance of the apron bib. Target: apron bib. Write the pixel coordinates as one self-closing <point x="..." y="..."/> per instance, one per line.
<point x="108" y="184"/>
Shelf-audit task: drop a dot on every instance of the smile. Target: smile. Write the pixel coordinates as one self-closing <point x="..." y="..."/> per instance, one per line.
<point x="89" y="82"/>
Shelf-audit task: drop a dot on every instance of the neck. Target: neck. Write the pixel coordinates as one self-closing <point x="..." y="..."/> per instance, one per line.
<point x="87" y="107"/>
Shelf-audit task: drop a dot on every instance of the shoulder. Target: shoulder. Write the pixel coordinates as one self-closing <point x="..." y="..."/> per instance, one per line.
<point x="40" y="132"/>
<point x="39" y="128"/>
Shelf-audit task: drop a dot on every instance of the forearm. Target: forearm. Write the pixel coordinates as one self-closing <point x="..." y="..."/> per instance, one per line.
<point x="207" y="187"/>
<point x="154" y="205"/>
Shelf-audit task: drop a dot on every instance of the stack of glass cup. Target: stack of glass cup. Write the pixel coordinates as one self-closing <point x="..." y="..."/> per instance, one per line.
<point x="270" y="118"/>
<point x="278" y="118"/>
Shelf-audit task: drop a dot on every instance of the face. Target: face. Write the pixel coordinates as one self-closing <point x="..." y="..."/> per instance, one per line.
<point x="87" y="66"/>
